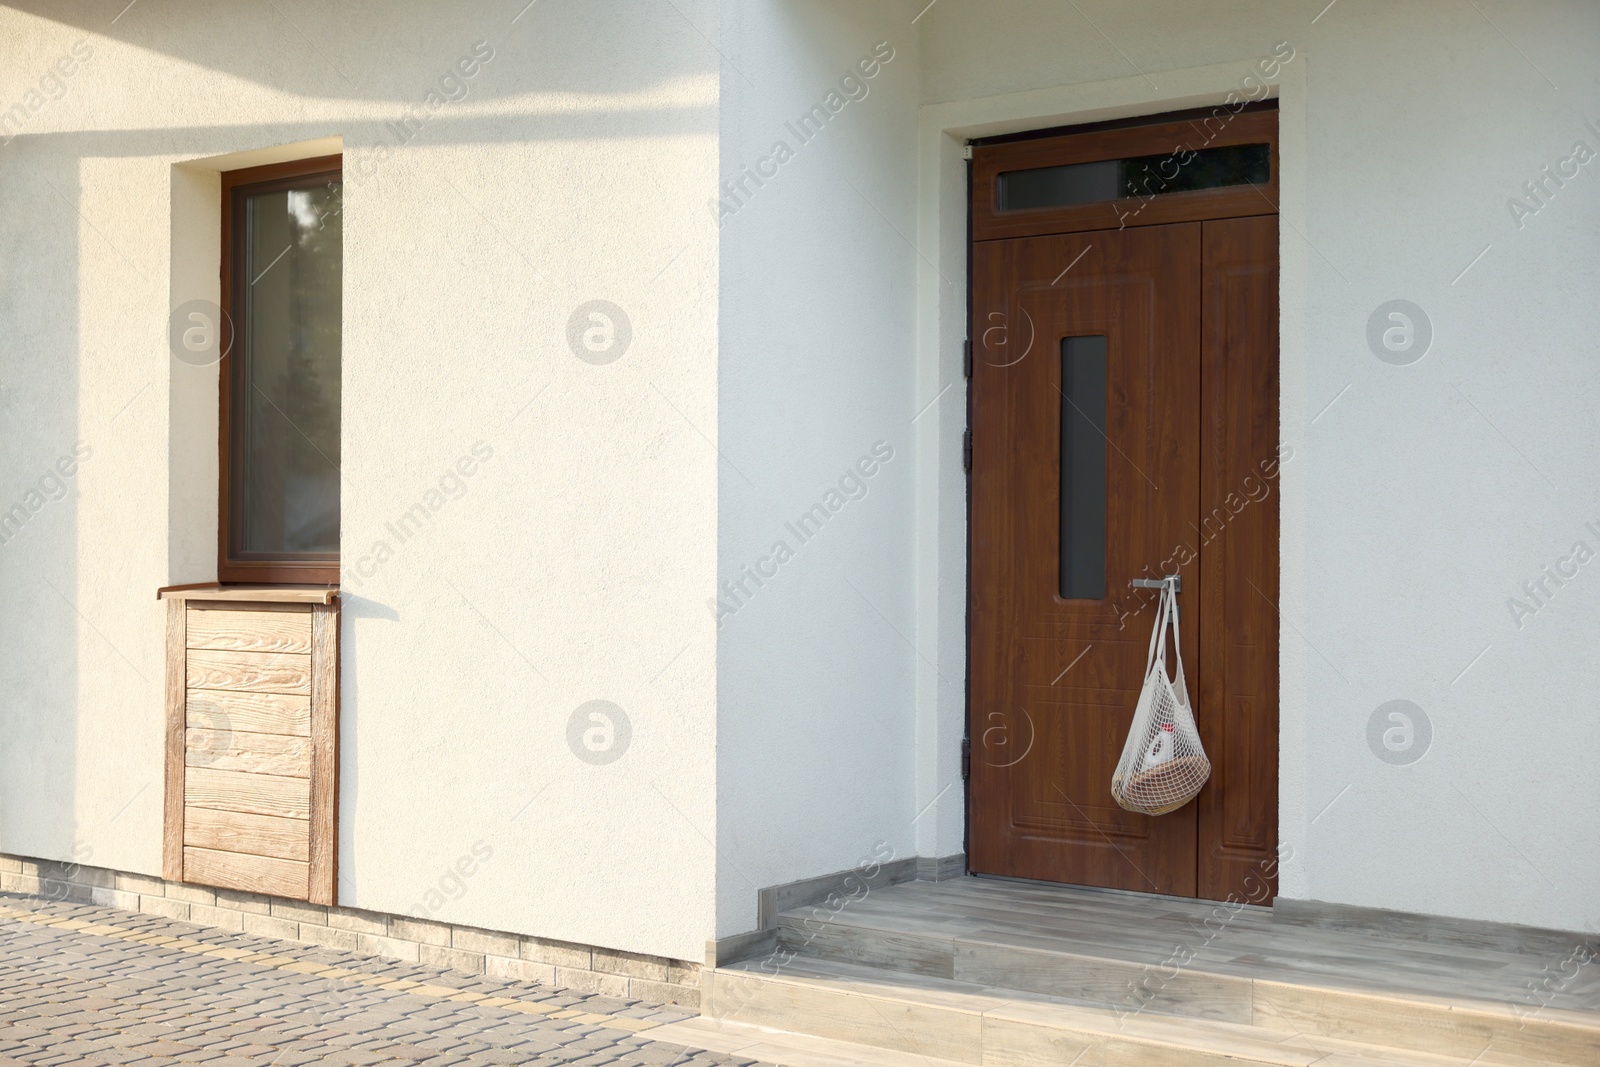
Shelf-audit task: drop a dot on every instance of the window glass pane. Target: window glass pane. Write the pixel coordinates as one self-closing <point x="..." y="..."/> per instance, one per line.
<point x="293" y="262"/>
<point x="1141" y="176"/>
<point x="1083" y="468"/>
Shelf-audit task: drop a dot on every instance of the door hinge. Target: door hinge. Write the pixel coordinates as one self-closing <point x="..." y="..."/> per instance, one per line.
<point x="966" y="450"/>
<point x="966" y="758"/>
<point x="966" y="358"/>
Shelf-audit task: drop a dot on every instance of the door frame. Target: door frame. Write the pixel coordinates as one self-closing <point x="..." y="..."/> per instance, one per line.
<point x="943" y="241"/>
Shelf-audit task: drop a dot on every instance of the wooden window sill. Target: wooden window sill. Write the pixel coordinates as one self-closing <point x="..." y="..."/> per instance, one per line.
<point x="261" y="594"/>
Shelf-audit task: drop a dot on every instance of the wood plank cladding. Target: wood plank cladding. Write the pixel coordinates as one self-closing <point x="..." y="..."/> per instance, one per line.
<point x="250" y="835"/>
<point x="260" y="794"/>
<point x="249" y="672"/>
<point x="250" y="631"/>
<point x="252" y="742"/>
<point x="257" y="713"/>
<point x="236" y="750"/>
<point x="253" y="874"/>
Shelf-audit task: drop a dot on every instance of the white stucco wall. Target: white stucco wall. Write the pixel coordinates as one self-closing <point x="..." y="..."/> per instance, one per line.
<point x="1425" y="494"/>
<point x="769" y="355"/>
<point x="575" y="563"/>
<point x="818" y="665"/>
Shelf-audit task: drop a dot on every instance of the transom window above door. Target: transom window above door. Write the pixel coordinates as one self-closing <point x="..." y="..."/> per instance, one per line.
<point x="1160" y="174"/>
<point x="1214" y="163"/>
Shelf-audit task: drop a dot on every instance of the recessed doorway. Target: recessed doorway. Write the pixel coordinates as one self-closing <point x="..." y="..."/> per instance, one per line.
<point x="1124" y="323"/>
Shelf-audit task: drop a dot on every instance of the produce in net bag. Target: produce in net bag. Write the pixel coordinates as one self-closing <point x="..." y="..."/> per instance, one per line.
<point x="1163" y="766"/>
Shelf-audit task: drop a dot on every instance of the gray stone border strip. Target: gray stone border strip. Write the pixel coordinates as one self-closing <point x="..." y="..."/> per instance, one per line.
<point x="495" y="954"/>
<point x="344" y="974"/>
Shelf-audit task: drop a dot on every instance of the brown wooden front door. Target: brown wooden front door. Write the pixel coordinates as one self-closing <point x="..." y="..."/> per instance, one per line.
<point x="1124" y="425"/>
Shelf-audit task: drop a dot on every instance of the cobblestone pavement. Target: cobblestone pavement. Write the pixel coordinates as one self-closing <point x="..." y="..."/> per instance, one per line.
<point x="88" y="985"/>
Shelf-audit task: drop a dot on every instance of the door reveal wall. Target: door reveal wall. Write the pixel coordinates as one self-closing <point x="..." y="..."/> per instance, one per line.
<point x="252" y="740"/>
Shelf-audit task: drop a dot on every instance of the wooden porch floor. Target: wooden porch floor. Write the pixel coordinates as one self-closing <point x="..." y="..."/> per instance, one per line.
<point x="1518" y="967"/>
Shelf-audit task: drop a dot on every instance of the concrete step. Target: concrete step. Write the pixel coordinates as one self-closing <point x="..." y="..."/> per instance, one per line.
<point x="972" y="1023"/>
<point x="1278" y="990"/>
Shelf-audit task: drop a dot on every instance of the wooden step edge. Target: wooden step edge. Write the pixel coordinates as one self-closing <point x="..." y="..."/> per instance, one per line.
<point x="1456" y="932"/>
<point x="974" y="1013"/>
<point x="786" y="1048"/>
<point x="1250" y="926"/>
<point x="867" y="1006"/>
<point x="1331" y="987"/>
<point x="861" y="977"/>
<point x="1496" y="1035"/>
<point x="1501" y="1011"/>
<point x="1492" y="1012"/>
<point x="893" y="999"/>
<point x="1022" y="1032"/>
<point x="843" y="1002"/>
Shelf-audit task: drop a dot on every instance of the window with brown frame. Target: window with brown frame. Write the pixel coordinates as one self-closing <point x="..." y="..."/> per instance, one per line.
<point x="282" y="269"/>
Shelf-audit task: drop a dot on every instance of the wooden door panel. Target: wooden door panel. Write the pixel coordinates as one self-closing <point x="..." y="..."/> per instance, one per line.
<point x="1238" y="694"/>
<point x="1059" y="666"/>
<point x="1066" y="673"/>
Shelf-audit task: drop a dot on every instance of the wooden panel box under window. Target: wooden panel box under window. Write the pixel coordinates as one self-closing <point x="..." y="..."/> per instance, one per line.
<point x="252" y="740"/>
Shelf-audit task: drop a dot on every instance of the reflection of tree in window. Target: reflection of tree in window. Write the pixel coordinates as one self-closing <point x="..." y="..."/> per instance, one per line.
<point x="292" y="373"/>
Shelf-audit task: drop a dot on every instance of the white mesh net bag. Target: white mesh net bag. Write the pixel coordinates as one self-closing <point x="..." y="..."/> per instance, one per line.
<point x="1163" y="766"/>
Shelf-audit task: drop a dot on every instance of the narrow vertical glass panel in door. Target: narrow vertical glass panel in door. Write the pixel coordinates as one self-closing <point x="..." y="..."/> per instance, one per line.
<point x="293" y="267"/>
<point x="1083" y="468"/>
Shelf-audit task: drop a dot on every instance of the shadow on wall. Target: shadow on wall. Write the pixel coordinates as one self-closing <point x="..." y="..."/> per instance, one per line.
<point x="338" y="41"/>
<point x="351" y="608"/>
<point x="53" y="656"/>
<point x="41" y="626"/>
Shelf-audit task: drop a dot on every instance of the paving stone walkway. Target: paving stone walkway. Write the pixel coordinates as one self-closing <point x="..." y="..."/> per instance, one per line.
<point x="88" y="985"/>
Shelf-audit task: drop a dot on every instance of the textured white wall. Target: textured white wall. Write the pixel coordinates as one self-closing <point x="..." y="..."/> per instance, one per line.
<point x="817" y="667"/>
<point x="579" y="562"/>
<point x="1426" y="494"/>
<point x="575" y="563"/>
